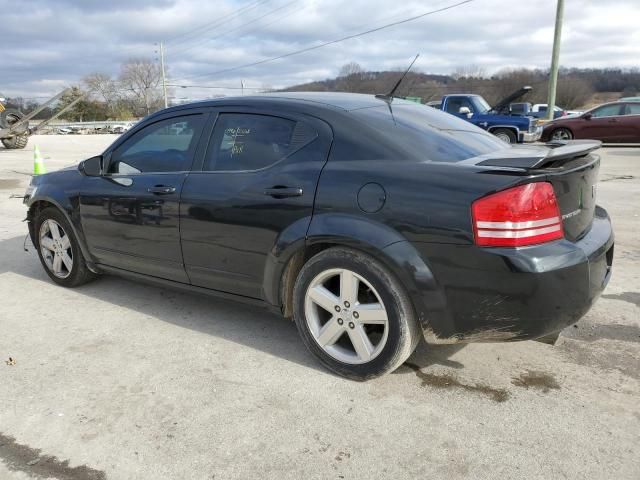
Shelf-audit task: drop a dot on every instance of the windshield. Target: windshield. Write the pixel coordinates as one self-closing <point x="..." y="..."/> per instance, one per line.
<point x="418" y="132"/>
<point x="481" y="104"/>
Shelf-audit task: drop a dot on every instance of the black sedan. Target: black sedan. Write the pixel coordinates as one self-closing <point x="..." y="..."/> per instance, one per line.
<point x="370" y="221"/>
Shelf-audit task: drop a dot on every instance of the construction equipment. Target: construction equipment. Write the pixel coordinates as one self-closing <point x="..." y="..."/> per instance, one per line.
<point x="14" y="125"/>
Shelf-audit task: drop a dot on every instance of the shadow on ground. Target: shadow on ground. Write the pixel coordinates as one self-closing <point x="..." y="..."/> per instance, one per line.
<point x="243" y="324"/>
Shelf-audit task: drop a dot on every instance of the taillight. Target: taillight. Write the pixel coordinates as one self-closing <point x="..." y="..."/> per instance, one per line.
<point x="519" y="216"/>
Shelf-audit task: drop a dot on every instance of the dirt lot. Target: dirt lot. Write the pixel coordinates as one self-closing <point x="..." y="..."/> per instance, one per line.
<point x="118" y="380"/>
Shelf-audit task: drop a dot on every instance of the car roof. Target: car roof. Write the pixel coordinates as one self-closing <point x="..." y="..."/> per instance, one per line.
<point x="332" y="100"/>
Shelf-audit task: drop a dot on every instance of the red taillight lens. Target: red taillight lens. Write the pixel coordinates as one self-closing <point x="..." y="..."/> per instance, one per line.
<point x="519" y="216"/>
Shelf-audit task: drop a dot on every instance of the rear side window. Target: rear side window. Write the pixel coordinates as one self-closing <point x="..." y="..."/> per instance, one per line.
<point x="242" y="142"/>
<point x="419" y="133"/>
<point x="633" y="109"/>
<point x="164" y="146"/>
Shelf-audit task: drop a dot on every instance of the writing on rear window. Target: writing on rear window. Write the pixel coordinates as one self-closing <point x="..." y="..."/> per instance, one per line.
<point x="233" y="140"/>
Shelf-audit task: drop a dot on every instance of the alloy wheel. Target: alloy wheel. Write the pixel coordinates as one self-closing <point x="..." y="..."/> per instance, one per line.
<point x="561" y="134"/>
<point x="504" y="137"/>
<point x="346" y="316"/>
<point x="55" y="247"/>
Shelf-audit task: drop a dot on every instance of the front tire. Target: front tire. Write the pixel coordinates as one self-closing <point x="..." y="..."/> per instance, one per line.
<point x="59" y="250"/>
<point x="505" y="135"/>
<point x="561" y="134"/>
<point x="353" y="314"/>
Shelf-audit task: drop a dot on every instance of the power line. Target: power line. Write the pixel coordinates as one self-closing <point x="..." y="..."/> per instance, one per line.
<point x="219" y="21"/>
<point x="207" y="40"/>
<point x="331" y="42"/>
<point x="221" y="87"/>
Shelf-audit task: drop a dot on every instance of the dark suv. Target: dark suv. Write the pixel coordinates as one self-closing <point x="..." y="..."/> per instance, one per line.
<point x="370" y="221"/>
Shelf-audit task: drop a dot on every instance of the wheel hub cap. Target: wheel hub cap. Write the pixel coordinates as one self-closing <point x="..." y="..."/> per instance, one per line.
<point x="55" y="247"/>
<point x="346" y="316"/>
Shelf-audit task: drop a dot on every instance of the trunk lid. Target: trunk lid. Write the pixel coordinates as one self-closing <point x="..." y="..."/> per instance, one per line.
<point x="570" y="167"/>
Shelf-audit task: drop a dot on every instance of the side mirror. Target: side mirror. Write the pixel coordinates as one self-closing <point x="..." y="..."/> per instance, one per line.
<point x="587" y="116"/>
<point x="465" y="111"/>
<point x="91" y="167"/>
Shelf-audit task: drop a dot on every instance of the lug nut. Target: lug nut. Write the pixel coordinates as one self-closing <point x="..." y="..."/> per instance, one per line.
<point x="340" y="321"/>
<point x="352" y="325"/>
<point x="337" y="308"/>
<point x="346" y="304"/>
<point x="356" y="314"/>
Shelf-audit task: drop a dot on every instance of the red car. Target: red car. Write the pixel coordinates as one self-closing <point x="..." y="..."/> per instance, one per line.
<point x="612" y="122"/>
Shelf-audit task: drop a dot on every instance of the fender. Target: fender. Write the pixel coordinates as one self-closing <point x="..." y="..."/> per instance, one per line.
<point x="69" y="206"/>
<point x="376" y="239"/>
<point x="506" y="127"/>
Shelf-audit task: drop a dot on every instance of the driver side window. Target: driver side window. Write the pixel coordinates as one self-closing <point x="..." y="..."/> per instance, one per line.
<point x="455" y="104"/>
<point x="607" y="111"/>
<point x="164" y="146"/>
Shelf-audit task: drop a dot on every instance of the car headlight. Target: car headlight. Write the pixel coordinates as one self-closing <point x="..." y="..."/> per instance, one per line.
<point x="31" y="189"/>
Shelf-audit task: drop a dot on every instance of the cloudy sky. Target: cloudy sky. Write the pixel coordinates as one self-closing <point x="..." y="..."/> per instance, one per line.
<point x="49" y="44"/>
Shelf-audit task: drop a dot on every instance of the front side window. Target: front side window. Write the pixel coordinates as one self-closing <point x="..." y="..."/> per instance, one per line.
<point x="606" y="111"/>
<point x="242" y="142"/>
<point x="164" y="146"/>
<point x="455" y="104"/>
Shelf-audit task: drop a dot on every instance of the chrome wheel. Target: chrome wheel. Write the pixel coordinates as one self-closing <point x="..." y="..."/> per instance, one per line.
<point x="561" y="134"/>
<point x="55" y="247"/>
<point x="346" y="316"/>
<point x="504" y="137"/>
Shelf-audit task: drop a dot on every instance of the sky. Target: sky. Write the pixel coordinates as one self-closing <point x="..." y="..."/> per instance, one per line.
<point x="48" y="45"/>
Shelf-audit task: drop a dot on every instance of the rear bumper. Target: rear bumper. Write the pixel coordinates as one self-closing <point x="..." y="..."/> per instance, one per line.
<point x="502" y="294"/>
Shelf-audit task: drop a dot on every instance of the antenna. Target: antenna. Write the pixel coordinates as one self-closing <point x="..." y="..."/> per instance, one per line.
<point x="389" y="96"/>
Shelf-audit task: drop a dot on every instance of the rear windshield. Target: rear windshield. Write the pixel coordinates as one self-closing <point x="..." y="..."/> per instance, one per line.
<point x="419" y="132"/>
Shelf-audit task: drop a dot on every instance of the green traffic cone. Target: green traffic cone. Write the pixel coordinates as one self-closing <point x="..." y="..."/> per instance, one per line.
<point x="38" y="162"/>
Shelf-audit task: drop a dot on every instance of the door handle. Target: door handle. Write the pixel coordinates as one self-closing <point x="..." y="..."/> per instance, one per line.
<point x="283" y="192"/>
<point x="161" y="190"/>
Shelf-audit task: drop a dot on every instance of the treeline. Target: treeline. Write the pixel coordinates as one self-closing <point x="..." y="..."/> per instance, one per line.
<point x="575" y="86"/>
<point x="134" y="93"/>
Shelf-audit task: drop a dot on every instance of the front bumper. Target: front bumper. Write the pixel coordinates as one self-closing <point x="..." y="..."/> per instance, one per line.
<point x="531" y="136"/>
<point x="503" y="294"/>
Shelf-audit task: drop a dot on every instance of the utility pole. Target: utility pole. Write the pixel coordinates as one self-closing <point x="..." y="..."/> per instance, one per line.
<point x="553" y="73"/>
<point x="164" y="78"/>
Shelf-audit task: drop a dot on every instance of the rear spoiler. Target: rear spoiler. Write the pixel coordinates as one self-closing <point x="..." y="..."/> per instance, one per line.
<point x="540" y="157"/>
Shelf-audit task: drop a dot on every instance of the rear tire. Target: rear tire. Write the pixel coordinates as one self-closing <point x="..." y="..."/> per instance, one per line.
<point x="353" y="314"/>
<point x="561" y="134"/>
<point x="505" y="135"/>
<point x="59" y="250"/>
<point x="20" y="135"/>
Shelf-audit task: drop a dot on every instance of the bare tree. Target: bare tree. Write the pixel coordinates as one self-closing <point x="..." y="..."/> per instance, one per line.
<point x="468" y="71"/>
<point x="469" y="77"/>
<point x="573" y="92"/>
<point x="141" y="77"/>
<point x="350" y="77"/>
<point x="104" y="88"/>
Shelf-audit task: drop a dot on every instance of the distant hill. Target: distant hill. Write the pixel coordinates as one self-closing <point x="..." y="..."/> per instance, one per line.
<point x="577" y="88"/>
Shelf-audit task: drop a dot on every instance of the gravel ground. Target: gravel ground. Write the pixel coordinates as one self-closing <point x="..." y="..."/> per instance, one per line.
<point x="124" y="381"/>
